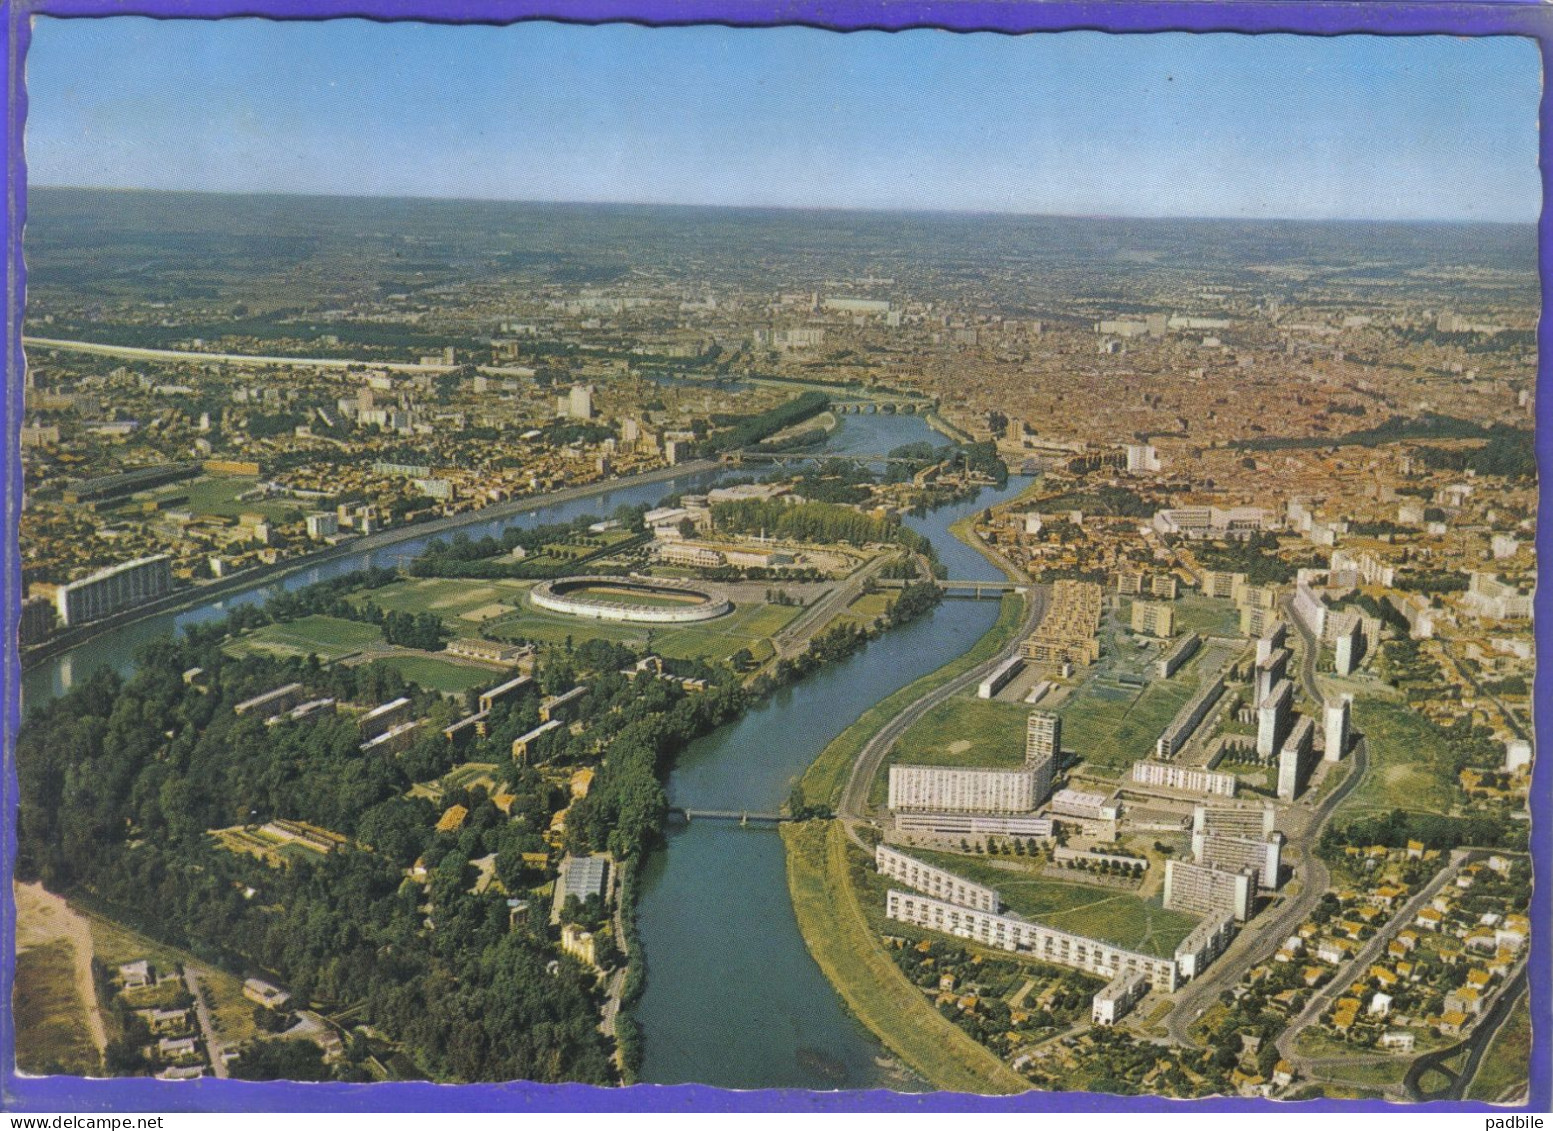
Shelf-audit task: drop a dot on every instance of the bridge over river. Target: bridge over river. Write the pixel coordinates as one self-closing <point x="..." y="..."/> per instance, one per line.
<point x="955" y="587"/>
<point x="743" y="816"/>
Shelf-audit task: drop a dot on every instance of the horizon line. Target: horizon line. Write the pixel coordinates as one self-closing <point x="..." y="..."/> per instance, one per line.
<point x="758" y="207"/>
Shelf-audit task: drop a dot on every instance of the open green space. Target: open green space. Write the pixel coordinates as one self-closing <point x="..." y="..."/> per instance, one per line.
<point x="966" y="731"/>
<point x="823" y="780"/>
<point x="1370" y="1073"/>
<point x="218" y="495"/>
<point x="329" y="638"/>
<point x="875" y="990"/>
<point x="1112" y="727"/>
<point x="438" y="675"/>
<point x="1506" y="1063"/>
<point x="1210" y="616"/>
<point x="1410" y="763"/>
<point x="448" y="597"/>
<point x="50" y="1017"/>
<point x="1117" y="917"/>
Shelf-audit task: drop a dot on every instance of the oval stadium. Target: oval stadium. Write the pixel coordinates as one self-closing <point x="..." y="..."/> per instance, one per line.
<point x="632" y="600"/>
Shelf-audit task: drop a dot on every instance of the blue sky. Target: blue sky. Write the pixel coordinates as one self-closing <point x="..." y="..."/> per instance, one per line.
<point x="1079" y="123"/>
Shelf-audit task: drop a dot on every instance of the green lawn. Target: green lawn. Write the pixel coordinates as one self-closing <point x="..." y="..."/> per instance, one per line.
<point x="1110" y="728"/>
<point x="966" y="731"/>
<point x="1117" y="917"/>
<point x="448" y="597"/>
<point x="1410" y="766"/>
<point x="1210" y="616"/>
<point x="439" y="675"/>
<point x="217" y="495"/>
<point x="329" y="637"/>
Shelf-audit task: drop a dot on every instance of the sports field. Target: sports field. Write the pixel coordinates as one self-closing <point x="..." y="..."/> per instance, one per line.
<point x="748" y="626"/>
<point x="218" y="495"/>
<point x="456" y="600"/>
<point x="330" y="638"/>
<point x="1116" y="917"/>
<point x="438" y="675"/>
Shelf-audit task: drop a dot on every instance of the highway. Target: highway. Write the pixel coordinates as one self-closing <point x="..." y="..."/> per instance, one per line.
<point x="795" y="637"/>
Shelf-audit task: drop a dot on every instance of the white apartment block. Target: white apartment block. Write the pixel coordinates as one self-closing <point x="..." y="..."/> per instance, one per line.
<point x="936" y="882"/>
<point x="1044" y="943"/>
<point x="962" y="790"/>
<point x="1186" y="778"/>
<point x="1201" y="889"/>
<point x="971" y="825"/>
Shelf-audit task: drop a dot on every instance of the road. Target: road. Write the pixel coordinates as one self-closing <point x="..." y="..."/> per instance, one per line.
<point x="1361" y="961"/>
<point x="1477" y="1042"/>
<point x="854" y="798"/>
<point x="213" y="1047"/>
<point x="1262" y="935"/>
<point x="795" y="637"/>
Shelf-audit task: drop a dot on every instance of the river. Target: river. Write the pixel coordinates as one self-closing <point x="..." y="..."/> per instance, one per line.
<point x="732" y="998"/>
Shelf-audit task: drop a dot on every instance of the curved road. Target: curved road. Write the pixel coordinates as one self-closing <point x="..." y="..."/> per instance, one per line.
<point x="1478" y="1043"/>
<point x="854" y="798"/>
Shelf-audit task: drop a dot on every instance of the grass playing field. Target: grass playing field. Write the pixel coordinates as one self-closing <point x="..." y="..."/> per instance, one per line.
<point x="218" y="495"/>
<point x="439" y="675"/>
<point x="450" y="598"/>
<point x="329" y="637"/>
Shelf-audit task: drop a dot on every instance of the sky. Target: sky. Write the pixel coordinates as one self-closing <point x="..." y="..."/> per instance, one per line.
<point x="1068" y="123"/>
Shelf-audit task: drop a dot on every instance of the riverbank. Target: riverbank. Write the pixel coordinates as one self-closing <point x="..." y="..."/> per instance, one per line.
<point x="878" y="994"/>
<point x="831" y="919"/>
<point x="266" y="575"/>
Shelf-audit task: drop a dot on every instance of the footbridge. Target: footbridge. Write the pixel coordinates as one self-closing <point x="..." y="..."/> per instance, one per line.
<point x="742" y="816"/>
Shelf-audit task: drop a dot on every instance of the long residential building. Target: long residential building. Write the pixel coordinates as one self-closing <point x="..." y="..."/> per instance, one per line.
<point x="114" y="589"/>
<point x="1183" y="650"/>
<point x="936" y="882"/>
<point x="1047" y="944"/>
<point x="1189" y="779"/>
<point x="272" y="702"/>
<point x="971" y="825"/>
<point x="1189" y="718"/>
<point x="955" y="790"/>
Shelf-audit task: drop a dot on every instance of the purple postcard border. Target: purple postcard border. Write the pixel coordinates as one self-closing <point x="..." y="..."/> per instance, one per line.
<point x="1398" y="17"/>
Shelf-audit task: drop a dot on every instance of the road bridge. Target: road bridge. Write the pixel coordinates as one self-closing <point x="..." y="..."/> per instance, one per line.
<point x="955" y="587"/>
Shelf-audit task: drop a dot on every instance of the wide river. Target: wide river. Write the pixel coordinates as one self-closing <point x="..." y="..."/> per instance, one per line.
<point x="732" y="997"/>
